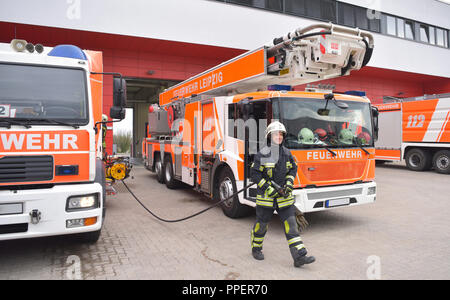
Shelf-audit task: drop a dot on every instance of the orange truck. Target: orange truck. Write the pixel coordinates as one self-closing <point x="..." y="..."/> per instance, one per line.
<point x="417" y="131"/>
<point x="52" y="178"/>
<point x="206" y="130"/>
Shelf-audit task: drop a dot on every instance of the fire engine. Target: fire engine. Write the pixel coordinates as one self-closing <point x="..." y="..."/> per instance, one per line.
<point x="417" y="131"/>
<point x="52" y="178"/>
<point x="206" y="130"/>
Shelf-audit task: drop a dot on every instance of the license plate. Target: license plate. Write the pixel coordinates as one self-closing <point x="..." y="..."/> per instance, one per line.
<point x="11" y="209"/>
<point x="337" y="202"/>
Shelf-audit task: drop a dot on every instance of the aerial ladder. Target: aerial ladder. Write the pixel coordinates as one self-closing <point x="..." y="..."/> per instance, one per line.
<point x="201" y="133"/>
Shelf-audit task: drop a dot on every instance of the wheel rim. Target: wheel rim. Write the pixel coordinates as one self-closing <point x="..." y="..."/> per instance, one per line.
<point x="168" y="174"/>
<point x="443" y="162"/>
<point x="415" y="160"/>
<point x="158" y="167"/>
<point x="225" y="191"/>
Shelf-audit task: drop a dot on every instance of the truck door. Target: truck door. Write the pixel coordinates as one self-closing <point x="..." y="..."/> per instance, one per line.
<point x="208" y="129"/>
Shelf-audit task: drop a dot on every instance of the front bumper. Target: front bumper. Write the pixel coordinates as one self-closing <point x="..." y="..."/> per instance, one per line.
<point x="51" y="203"/>
<point x="315" y="199"/>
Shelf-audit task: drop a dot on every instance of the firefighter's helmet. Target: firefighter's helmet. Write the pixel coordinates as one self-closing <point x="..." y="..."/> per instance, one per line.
<point x="321" y="133"/>
<point x="104" y="118"/>
<point x="346" y="136"/>
<point x="306" y="136"/>
<point x="275" y="126"/>
<point x="364" y="137"/>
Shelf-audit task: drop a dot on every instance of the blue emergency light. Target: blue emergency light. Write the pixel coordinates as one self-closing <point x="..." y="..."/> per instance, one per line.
<point x="69" y="51"/>
<point x="66" y="170"/>
<point x="356" y="93"/>
<point x="279" y="87"/>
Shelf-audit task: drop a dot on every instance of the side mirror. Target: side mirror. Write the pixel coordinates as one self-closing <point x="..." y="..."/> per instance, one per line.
<point x="245" y="107"/>
<point x="119" y="99"/>
<point x="375" y="114"/>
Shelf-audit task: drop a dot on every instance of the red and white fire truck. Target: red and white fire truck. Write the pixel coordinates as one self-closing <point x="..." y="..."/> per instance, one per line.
<point x="52" y="178"/>
<point x="205" y="131"/>
<point x="416" y="130"/>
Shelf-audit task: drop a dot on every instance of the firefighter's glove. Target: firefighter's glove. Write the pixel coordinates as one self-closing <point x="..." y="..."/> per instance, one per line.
<point x="302" y="223"/>
<point x="271" y="192"/>
<point x="288" y="186"/>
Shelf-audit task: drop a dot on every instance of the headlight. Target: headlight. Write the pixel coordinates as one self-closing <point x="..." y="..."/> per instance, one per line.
<point x="372" y="190"/>
<point x="82" y="202"/>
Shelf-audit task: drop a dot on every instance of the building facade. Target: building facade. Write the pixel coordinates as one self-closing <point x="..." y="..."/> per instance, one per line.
<point x="157" y="43"/>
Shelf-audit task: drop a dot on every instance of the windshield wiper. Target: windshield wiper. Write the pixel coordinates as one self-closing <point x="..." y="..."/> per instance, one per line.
<point x="52" y="121"/>
<point x="329" y="150"/>
<point x="360" y="146"/>
<point x="13" y="122"/>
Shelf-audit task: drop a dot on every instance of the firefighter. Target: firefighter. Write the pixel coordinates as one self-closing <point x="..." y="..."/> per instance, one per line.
<point x="275" y="164"/>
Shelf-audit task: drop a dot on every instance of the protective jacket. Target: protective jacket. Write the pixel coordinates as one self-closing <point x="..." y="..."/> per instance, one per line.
<point x="273" y="163"/>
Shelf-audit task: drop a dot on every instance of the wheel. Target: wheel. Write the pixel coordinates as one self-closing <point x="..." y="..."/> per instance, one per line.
<point x="159" y="169"/>
<point x="441" y="161"/>
<point x="418" y="159"/>
<point x="88" y="237"/>
<point x="232" y="208"/>
<point x="169" y="178"/>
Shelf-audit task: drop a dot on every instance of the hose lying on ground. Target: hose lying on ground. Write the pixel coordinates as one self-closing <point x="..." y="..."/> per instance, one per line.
<point x="188" y="217"/>
<point x="301" y="221"/>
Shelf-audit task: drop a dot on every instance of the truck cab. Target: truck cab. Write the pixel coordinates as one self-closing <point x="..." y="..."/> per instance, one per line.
<point x="331" y="139"/>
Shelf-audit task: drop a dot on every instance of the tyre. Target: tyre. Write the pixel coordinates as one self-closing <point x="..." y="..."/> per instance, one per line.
<point x="418" y="159"/>
<point x="169" y="178"/>
<point x="159" y="169"/>
<point x="441" y="162"/>
<point x="88" y="237"/>
<point x="226" y="186"/>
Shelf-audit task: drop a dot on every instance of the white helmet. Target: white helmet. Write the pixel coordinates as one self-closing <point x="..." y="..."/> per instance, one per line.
<point x="275" y="126"/>
<point x="104" y="118"/>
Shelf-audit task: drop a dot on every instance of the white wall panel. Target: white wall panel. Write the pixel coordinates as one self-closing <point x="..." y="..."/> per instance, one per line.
<point x="234" y="26"/>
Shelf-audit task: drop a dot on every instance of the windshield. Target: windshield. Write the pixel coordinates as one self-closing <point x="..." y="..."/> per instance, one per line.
<point x="312" y="123"/>
<point x="36" y="94"/>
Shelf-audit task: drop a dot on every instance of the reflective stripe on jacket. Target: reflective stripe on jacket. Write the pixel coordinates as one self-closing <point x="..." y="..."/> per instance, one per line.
<point x="277" y="164"/>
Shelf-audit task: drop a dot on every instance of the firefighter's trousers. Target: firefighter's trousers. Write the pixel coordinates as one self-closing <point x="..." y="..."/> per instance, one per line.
<point x="287" y="216"/>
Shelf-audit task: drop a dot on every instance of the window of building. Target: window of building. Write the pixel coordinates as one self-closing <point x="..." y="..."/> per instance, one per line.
<point x="409" y="30"/>
<point x="432" y="35"/>
<point x="424" y="33"/>
<point x="346" y="15"/>
<point x="441" y="37"/>
<point x="374" y="24"/>
<point x="318" y="9"/>
<point x="267" y="4"/>
<point x="328" y="10"/>
<point x="296" y="7"/>
<point x="391" y="25"/>
<point x="361" y="18"/>
<point x="353" y="16"/>
<point x="313" y="8"/>
<point x="274" y="5"/>
<point x="400" y="28"/>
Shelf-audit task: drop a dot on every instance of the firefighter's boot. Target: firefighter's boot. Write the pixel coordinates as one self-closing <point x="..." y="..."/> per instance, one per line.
<point x="300" y="257"/>
<point x="258" y="232"/>
<point x="257" y="254"/>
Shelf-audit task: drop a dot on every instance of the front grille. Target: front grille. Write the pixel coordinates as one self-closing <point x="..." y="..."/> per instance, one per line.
<point x="13" y="228"/>
<point x="334" y="194"/>
<point x="26" y="168"/>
